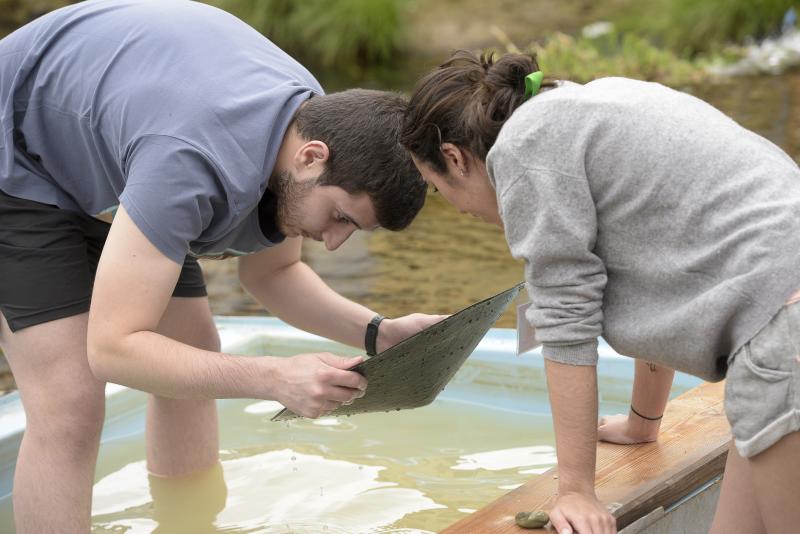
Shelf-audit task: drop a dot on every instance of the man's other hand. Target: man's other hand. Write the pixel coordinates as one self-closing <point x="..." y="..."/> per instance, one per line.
<point x="393" y="331"/>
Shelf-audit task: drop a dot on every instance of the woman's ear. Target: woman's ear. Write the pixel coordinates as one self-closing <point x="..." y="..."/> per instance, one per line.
<point x="310" y="154"/>
<point x="455" y="158"/>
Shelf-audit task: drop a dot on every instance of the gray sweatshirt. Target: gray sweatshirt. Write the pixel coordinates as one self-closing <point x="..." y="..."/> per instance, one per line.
<point x="646" y="216"/>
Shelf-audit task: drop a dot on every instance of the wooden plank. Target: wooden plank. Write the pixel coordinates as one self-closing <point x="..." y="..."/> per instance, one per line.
<point x="632" y="480"/>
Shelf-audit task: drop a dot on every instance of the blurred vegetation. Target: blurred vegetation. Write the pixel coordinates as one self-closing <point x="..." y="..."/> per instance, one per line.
<point x="694" y="27"/>
<point x="15" y="13"/>
<point x="665" y="40"/>
<point x="669" y="41"/>
<point x="582" y="59"/>
<point x="347" y="35"/>
<point x="341" y="34"/>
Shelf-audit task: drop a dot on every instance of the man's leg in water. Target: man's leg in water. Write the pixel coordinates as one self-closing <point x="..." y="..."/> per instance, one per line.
<point x="182" y="435"/>
<point x="64" y="406"/>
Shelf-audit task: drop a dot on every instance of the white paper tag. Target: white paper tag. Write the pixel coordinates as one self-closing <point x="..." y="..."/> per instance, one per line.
<point x="526" y="334"/>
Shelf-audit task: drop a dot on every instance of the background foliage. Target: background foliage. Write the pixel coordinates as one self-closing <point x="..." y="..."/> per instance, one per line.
<point x="15" y="13"/>
<point x="340" y="34"/>
<point x="664" y="40"/>
<point x="692" y="27"/>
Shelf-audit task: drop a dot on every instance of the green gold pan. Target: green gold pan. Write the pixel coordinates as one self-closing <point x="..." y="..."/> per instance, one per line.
<point x="413" y="372"/>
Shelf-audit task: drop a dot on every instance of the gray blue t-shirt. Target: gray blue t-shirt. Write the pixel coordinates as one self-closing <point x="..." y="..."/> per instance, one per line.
<point x="174" y="109"/>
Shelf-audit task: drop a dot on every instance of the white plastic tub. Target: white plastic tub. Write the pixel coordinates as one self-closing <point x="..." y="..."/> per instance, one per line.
<point x="408" y="471"/>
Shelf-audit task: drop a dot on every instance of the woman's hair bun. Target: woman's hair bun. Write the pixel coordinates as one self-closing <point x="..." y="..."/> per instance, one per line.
<point x="465" y="101"/>
<point x="508" y="71"/>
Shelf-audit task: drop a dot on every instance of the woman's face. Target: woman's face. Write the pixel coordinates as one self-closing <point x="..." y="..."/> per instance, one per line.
<point x="466" y="184"/>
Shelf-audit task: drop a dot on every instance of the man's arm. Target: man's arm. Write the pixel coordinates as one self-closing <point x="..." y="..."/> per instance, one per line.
<point x="290" y="289"/>
<point x="651" y="387"/>
<point x="133" y="285"/>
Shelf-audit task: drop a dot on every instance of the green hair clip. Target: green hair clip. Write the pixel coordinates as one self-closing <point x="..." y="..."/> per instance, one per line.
<point x="533" y="82"/>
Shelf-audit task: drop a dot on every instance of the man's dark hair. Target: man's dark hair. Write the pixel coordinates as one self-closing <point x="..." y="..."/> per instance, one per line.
<point x="362" y="130"/>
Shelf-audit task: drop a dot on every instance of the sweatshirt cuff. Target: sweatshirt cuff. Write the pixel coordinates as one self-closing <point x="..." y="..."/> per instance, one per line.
<point x="581" y="354"/>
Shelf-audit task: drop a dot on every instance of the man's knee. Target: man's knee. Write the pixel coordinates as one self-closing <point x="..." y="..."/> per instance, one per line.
<point x="72" y="420"/>
<point x="189" y="321"/>
<point x="181" y="409"/>
<point x="209" y="340"/>
<point x="205" y="339"/>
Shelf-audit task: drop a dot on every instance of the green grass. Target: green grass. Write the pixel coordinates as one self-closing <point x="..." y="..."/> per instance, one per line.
<point x="582" y="59"/>
<point x="331" y="34"/>
<point x="669" y="41"/>
<point x="695" y="27"/>
<point x="16" y="13"/>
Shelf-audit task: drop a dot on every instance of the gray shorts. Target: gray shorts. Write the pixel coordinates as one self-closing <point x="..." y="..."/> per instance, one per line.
<point x="762" y="389"/>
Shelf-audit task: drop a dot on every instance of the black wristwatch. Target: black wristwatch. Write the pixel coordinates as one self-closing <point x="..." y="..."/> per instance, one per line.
<point x="371" y="337"/>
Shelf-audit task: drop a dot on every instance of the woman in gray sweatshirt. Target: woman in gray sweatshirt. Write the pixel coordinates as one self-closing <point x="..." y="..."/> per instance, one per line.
<point x="646" y="216"/>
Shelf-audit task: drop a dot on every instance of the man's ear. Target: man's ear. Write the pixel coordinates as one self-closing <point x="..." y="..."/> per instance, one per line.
<point x="310" y="154"/>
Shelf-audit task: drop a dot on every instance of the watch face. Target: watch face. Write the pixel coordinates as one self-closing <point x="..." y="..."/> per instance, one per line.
<point x="413" y="372"/>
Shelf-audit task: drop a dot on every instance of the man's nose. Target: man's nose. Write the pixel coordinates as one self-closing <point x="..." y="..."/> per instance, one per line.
<point x="336" y="236"/>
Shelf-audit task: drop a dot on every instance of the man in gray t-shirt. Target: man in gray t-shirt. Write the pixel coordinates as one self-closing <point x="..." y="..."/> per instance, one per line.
<point x="196" y="137"/>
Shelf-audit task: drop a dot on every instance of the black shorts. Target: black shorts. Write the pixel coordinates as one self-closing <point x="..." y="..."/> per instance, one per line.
<point x="48" y="260"/>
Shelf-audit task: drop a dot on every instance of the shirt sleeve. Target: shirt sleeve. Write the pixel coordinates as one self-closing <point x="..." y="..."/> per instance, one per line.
<point x="172" y="193"/>
<point x="550" y="223"/>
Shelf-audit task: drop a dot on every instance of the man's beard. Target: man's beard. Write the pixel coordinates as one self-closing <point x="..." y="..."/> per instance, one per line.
<point x="289" y="195"/>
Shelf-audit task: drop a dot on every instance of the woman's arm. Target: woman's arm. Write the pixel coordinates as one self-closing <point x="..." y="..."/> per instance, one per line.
<point x="550" y="222"/>
<point x="573" y="398"/>
<point x="651" y="387"/>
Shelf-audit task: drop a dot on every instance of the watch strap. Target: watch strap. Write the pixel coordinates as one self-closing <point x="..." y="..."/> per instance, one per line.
<point x="371" y="337"/>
